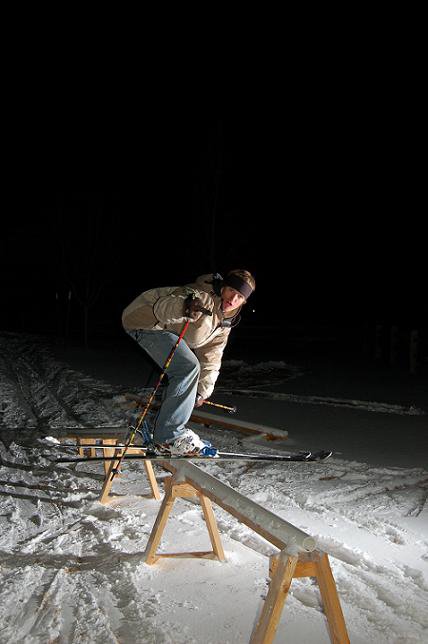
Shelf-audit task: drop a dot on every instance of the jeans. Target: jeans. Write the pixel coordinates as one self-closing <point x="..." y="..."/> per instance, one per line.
<point x="179" y="394"/>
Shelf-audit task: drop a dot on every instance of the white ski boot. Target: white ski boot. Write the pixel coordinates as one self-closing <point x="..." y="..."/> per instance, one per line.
<point x="190" y="444"/>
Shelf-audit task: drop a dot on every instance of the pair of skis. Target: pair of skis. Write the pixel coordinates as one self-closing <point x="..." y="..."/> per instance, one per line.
<point x="147" y="455"/>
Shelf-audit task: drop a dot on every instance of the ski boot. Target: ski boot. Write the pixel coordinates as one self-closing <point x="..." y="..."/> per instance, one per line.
<point x="189" y="444"/>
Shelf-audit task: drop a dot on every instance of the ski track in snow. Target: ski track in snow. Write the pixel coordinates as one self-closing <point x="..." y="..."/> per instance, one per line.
<point x="73" y="570"/>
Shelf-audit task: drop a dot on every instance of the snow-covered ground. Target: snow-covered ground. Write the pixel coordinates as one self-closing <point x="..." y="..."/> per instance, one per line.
<point x="72" y="570"/>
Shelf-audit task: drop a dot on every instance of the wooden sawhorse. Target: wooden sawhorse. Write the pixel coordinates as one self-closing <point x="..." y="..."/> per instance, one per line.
<point x="282" y="570"/>
<point x="110" y="465"/>
<point x="183" y="490"/>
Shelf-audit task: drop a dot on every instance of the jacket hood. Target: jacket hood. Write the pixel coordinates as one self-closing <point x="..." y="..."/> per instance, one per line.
<point x="206" y="283"/>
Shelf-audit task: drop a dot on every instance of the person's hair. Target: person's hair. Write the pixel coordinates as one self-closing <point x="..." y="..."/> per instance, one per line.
<point x="244" y="275"/>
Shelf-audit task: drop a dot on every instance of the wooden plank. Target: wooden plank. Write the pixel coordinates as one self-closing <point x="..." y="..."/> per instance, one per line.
<point x="186" y="555"/>
<point x="216" y="420"/>
<point x="305" y="569"/>
<point x="94" y="433"/>
<point x="183" y="490"/>
<point x="266" y="625"/>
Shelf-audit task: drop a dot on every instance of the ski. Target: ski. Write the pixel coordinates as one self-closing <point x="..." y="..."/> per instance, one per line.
<point x="305" y="457"/>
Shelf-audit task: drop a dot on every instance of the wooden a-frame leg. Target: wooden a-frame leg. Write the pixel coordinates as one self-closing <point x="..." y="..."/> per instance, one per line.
<point x="108" y="452"/>
<point x="159" y="525"/>
<point x="152" y="480"/>
<point x="108" y="481"/>
<point x="266" y="626"/>
<point x="212" y="527"/>
<point x="330" y="598"/>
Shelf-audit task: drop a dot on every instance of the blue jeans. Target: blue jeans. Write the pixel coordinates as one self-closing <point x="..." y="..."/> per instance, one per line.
<point x="182" y="375"/>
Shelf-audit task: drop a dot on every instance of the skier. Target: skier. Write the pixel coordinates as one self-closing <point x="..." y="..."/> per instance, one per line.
<point x="154" y="320"/>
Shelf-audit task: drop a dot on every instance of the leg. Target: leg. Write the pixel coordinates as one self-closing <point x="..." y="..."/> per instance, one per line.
<point x="183" y="376"/>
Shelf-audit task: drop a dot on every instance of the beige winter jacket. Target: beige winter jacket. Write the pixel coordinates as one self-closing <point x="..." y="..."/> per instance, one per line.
<point x="163" y="309"/>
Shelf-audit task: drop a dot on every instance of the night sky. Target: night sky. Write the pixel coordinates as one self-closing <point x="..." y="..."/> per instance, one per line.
<point x="325" y="219"/>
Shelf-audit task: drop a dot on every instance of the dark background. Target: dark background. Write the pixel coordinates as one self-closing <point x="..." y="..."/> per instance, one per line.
<point x="325" y="213"/>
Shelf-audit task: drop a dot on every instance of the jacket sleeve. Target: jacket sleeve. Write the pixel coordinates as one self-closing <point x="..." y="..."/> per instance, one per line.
<point x="210" y="356"/>
<point x="170" y="308"/>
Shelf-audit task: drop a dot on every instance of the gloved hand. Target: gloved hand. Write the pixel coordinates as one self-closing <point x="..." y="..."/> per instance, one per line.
<point x="193" y="306"/>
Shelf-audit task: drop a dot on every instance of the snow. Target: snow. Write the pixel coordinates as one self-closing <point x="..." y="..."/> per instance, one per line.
<point x="72" y="570"/>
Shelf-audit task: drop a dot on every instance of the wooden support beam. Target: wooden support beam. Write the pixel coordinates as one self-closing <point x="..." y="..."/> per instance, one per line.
<point x="330" y="598"/>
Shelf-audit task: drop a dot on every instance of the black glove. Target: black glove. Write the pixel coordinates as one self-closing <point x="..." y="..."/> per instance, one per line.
<point x="193" y="306"/>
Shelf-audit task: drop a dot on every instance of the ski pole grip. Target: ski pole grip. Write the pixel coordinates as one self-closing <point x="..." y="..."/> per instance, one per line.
<point x="193" y="305"/>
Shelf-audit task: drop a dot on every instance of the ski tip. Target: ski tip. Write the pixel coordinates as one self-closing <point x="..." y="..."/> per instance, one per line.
<point x="321" y="455"/>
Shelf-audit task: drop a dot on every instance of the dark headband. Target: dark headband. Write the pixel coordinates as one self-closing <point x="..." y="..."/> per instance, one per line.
<point x="240" y="285"/>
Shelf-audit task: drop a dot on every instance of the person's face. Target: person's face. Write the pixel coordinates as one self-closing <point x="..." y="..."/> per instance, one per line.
<point x="231" y="299"/>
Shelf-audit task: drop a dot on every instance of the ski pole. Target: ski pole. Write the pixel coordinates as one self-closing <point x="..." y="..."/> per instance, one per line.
<point x="140" y="403"/>
<point x="150" y="400"/>
<point x="231" y="410"/>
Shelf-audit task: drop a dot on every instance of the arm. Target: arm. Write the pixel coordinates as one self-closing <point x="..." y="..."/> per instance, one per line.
<point x="210" y="357"/>
<point x="174" y="308"/>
